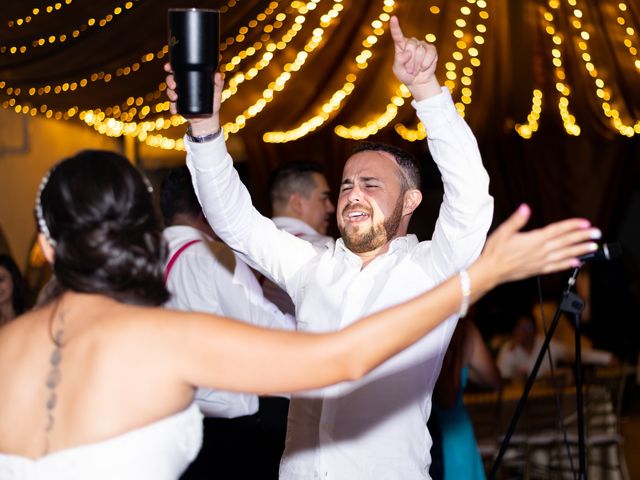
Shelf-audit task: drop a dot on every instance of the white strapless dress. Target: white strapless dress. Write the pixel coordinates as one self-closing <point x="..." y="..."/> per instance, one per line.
<point x="159" y="451"/>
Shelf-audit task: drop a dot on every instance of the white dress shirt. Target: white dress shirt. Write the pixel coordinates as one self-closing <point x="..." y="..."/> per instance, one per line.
<point x="374" y="428"/>
<point x="300" y="229"/>
<point x="208" y="277"/>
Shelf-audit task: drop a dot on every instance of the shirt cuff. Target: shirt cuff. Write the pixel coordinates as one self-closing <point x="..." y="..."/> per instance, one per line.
<point x="436" y="111"/>
<point x="205" y="156"/>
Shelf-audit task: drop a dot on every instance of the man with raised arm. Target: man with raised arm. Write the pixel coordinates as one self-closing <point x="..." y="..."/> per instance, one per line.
<point x="374" y="428"/>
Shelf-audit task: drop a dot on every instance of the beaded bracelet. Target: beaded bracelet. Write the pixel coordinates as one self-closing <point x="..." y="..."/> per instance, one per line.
<point x="465" y="285"/>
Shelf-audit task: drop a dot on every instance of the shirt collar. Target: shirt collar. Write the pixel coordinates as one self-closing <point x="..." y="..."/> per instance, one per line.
<point x="399" y="244"/>
<point x="294" y="226"/>
<point x="184" y="231"/>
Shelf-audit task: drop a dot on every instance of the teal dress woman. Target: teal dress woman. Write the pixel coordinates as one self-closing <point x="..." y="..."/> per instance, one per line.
<point x="467" y="357"/>
<point x="460" y="456"/>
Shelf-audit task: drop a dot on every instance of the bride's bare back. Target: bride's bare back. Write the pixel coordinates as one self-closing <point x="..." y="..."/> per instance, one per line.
<point x="112" y="379"/>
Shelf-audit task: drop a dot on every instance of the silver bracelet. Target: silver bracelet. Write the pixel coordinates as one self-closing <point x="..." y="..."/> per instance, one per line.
<point x="465" y="285"/>
<point x="202" y="138"/>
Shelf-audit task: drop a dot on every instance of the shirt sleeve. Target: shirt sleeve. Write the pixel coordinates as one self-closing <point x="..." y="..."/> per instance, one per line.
<point x="198" y="276"/>
<point x="246" y="299"/>
<point x="220" y="404"/>
<point x="228" y="208"/>
<point x="467" y="208"/>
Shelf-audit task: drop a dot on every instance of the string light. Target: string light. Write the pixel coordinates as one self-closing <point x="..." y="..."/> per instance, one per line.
<point x="271" y="47"/>
<point x="527" y="130"/>
<point x="18" y="22"/>
<point x="468" y="44"/>
<point x="51" y="39"/>
<point x="128" y="118"/>
<point x="374" y="126"/>
<point x="568" y="119"/>
<point x="260" y="17"/>
<point x="629" y="41"/>
<point x="336" y="99"/>
<point x="236" y="60"/>
<point x="70" y="86"/>
<point x="132" y="108"/>
<point x="289" y="69"/>
<point x="609" y="108"/>
<point x="112" y="127"/>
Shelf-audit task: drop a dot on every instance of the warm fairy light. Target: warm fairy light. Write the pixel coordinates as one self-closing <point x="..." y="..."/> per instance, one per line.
<point x="468" y="31"/>
<point x="568" y="119"/>
<point x="528" y="129"/>
<point x="18" y="22"/>
<point x="604" y="93"/>
<point x="257" y="46"/>
<point x="465" y="41"/>
<point x="279" y="83"/>
<point x="94" y="77"/>
<point x="630" y="41"/>
<point x="409" y="134"/>
<point x="471" y="51"/>
<point x="335" y="101"/>
<point x="372" y="127"/>
<point x="89" y="24"/>
<point x="268" y="56"/>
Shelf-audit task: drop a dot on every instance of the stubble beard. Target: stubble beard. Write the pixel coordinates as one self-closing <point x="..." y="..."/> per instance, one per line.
<point x="377" y="235"/>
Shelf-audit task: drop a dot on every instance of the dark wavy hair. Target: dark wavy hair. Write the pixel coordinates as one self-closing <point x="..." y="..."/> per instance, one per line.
<point x="19" y="290"/>
<point x="99" y="212"/>
<point x="177" y="195"/>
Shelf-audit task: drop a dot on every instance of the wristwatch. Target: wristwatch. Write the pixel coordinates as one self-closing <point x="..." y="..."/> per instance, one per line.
<point x="203" y="138"/>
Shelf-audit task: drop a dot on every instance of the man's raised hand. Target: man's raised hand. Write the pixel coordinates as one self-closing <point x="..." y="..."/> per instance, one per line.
<point x="414" y="63"/>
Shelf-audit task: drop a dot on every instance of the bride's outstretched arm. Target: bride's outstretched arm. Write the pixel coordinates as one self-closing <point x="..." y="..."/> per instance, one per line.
<point x="229" y="355"/>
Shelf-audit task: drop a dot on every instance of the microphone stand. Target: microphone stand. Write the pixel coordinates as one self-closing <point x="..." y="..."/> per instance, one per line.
<point x="570" y="303"/>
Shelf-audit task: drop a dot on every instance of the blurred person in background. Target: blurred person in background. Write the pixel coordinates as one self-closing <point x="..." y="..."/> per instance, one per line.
<point x="12" y="290"/>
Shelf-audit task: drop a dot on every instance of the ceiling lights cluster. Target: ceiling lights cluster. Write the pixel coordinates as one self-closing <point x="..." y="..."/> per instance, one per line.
<point x="89" y="24"/>
<point x="468" y="44"/>
<point x="602" y="91"/>
<point x="52" y="7"/>
<point x="337" y="97"/>
<point x="288" y="20"/>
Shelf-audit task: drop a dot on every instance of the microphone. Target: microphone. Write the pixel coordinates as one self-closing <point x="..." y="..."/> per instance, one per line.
<point x="605" y="252"/>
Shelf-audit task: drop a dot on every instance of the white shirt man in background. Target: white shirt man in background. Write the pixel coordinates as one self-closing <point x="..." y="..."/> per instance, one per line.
<point x="301" y="205"/>
<point x="205" y="275"/>
<point x="518" y="355"/>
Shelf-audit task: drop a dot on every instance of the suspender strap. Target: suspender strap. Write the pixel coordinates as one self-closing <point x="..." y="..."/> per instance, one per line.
<point x="174" y="257"/>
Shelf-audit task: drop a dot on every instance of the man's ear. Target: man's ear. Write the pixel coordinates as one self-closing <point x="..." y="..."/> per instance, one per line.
<point x="412" y="198"/>
<point x="47" y="249"/>
<point x="295" y="203"/>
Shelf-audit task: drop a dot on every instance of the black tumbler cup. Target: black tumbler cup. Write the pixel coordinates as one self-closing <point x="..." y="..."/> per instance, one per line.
<point x="194" y="38"/>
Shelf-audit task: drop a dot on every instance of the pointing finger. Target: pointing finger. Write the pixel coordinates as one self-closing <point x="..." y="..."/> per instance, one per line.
<point x="396" y="33"/>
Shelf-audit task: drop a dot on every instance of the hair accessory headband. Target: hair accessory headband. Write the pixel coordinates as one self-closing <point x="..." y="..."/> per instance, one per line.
<point x="147" y="182"/>
<point x="42" y="224"/>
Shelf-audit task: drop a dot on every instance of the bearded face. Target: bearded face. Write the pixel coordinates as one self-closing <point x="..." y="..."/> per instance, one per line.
<point x="371" y="235"/>
<point x="372" y="205"/>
